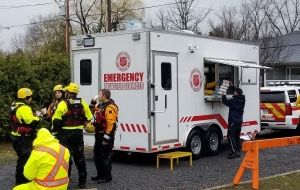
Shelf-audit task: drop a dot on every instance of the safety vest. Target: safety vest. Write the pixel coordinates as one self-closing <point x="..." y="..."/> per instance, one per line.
<point x="16" y="126"/>
<point x="75" y="115"/>
<point x="101" y="123"/>
<point x="49" y="180"/>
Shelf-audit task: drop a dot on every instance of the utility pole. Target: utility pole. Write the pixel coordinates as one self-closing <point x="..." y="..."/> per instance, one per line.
<point x="108" y="26"/>
<point x="67" y="26"/>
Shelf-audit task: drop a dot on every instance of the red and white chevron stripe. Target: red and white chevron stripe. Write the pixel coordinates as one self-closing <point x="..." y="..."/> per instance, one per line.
<point x="133" y="128"/>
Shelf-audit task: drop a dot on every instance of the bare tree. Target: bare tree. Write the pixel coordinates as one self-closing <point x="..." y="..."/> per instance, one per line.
<point x="232" y="25"/>
<point x="82" y="10"/>
<point x="43" y="30"/>
<point x="283" y="15"/>
<point x="160" y="21"/>
<point x="17" y="43"/>
<point x="91" y="14"/>
<point x="186" y="15"/>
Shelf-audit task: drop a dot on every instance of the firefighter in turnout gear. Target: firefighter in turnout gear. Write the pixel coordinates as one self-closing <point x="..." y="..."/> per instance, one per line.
<point x="23" y="130"/>
<point x="47" y="166"/>
<point x="68" y="121"/>
<point x="105" y="127"/>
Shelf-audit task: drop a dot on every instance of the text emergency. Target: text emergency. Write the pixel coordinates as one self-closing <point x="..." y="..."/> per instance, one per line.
<point x="124" y="81"/>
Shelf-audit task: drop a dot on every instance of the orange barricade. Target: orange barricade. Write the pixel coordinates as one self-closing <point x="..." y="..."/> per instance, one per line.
<point x="251" y="160"/>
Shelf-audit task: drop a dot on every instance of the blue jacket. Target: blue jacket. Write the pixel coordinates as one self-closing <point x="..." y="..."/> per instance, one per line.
<point x="236" y="109"/>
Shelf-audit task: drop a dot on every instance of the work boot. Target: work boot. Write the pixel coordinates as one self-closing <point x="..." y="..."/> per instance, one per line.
<point x="96" y="178"/>
<point x="104" y="180"/>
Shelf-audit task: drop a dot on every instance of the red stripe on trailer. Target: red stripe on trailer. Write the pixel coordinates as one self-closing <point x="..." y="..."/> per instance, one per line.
<point x="125" y="147"/>
<point x="165" y="147"/>
<point x="242" y="133"/>
<point x="144" y="128"/>
<point x="248" y="123"/>
<point x="190" y="118"/>
<point x="295" y="121"/>
<point x="141" y="149"/>
<point x="153" y="149"/>
<point x="133" y="128"/>
<point x="181" y="120"/>
<point x="138" y="127"/>
<point x="218" y="117"/>
<point x="122" y="126"/>
<point x="185" y="119"/>
<point x="177" y="145"/>
<point x="128" y="128"/>
<point x="295" y="108"/>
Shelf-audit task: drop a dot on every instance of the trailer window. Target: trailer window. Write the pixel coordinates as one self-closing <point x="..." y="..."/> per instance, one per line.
<point x="166" y="76"/>
<point x="292" y="96"/>
<point x="85" y="72"/>
<point x="215" y="73"/>
<point x="272" y="97"/>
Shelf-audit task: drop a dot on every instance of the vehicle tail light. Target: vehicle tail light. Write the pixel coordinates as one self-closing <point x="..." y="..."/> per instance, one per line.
<point x="288" y="109"/>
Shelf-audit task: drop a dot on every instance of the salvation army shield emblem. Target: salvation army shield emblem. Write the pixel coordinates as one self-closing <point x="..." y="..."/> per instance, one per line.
<point x="123" y="61"/>
<point x="196" y="80"/>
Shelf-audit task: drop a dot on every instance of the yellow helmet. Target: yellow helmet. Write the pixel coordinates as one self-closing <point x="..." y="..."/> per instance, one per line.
<point x="58" y="87"/>
<point x="73" y="87"/>
<point x="89" y="128"/>
<point x="24" y="93"/>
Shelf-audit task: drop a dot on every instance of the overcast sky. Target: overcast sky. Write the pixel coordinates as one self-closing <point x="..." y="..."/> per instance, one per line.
<point x="18" y="16"/>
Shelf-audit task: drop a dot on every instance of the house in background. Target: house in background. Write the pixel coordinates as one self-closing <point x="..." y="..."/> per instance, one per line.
<point x="287" y="69"/>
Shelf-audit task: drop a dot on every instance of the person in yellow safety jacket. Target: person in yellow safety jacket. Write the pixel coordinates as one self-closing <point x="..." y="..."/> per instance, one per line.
<point x="23" y="125"/>
<point x="58" y="91"/>
<point x="47" y="166"/>
<point x="105" y="127"/>
<point x="68" y="122"/>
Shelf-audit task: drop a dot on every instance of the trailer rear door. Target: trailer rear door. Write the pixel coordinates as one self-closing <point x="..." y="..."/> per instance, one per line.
<point x="165" y="97"/>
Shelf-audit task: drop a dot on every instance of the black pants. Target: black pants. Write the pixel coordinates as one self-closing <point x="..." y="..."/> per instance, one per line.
<point x="102" y="156"/>
<point x="23" y="147"/>
<point x="73" y="140"/>
<point x="233" y="134"/>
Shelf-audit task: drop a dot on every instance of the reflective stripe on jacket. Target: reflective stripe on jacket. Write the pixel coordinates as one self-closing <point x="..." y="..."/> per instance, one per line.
<point x="50" y="180"/>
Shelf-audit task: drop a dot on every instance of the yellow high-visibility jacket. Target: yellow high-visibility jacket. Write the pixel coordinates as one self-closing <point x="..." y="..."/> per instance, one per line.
<point x="41" y="163"/>
<point x="25" y="115"/>
<point x="62" y="109"/>
<point x="298" y="102"/>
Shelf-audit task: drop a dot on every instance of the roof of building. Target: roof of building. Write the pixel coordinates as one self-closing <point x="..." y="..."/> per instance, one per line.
<point x="291" y="52"/>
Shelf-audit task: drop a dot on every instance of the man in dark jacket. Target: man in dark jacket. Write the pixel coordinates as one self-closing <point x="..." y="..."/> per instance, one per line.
<point x="235" y="119"/>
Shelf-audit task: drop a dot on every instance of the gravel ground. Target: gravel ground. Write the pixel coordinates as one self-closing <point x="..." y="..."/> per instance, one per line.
<point x="139" y="171"/>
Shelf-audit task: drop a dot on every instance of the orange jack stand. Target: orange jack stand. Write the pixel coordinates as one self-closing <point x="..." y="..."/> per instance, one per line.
<point x="251" y="161"/>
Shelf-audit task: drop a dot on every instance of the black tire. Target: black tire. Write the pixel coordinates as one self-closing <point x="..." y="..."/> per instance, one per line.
<point x="195" y="144"/>
<point x="212" y="141"/>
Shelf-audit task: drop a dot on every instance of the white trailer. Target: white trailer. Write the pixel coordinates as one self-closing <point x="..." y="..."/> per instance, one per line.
<point x="158" y="79"/>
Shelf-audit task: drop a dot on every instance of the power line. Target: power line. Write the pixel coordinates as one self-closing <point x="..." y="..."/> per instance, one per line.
<point x="6" y="7"/>
<point x="135" y="9"/>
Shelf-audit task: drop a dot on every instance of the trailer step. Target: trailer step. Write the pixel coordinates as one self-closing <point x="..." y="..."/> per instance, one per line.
<point x="173" y="155"/>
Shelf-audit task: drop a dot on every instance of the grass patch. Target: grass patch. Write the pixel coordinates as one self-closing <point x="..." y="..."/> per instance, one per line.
<point x="284" y="182"/>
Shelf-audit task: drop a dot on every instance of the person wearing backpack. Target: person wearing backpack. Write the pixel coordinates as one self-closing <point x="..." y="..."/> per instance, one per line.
<point x="23" y="125"/>
<point x="68" y="122"/>
<point x="105" y="127"/>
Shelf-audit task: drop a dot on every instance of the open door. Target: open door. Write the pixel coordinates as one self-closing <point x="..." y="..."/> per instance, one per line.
<point x="165" y="97"/>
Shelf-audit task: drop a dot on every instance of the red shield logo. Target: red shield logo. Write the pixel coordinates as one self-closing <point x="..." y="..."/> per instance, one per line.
<point x="196" y="80"/>
<point x="123" y="61"/>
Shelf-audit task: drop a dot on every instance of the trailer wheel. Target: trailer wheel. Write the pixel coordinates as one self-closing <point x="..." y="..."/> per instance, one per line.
<point x="212" y="141"/>
<point x="195" y="144"/>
